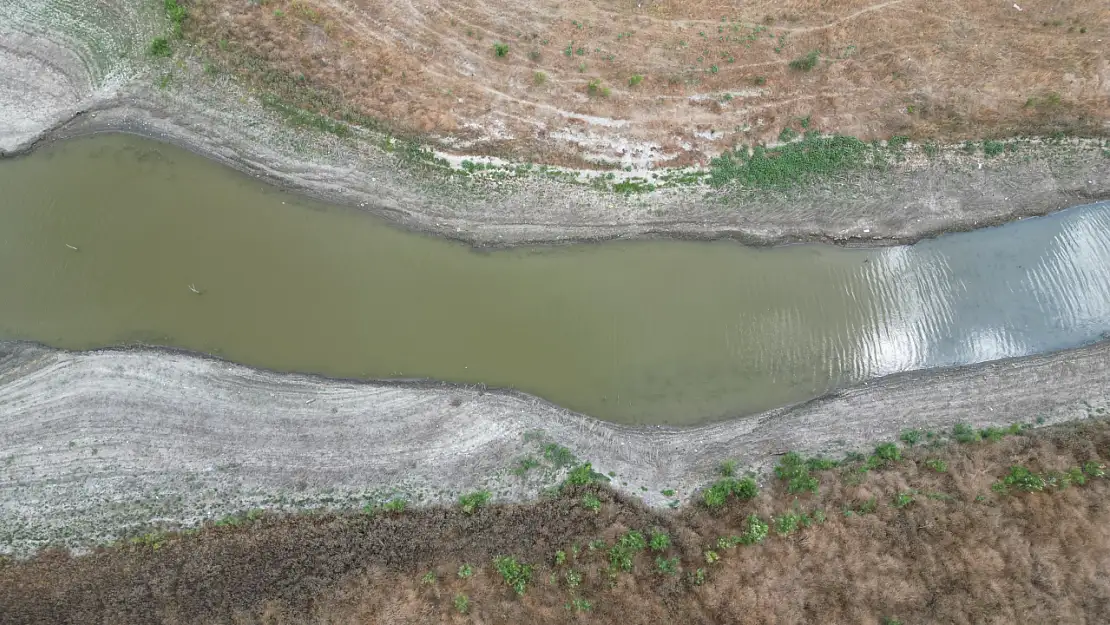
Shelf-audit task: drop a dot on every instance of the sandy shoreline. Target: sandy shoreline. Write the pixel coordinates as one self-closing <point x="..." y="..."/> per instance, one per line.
<point x="100" y="444"/>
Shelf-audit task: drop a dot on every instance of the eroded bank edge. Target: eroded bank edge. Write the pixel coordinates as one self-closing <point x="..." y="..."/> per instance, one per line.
<point x="106" y="444"/>
<point x="959" y="188"/>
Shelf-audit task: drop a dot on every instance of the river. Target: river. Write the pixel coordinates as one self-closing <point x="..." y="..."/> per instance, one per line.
<point x="114" y="240"/>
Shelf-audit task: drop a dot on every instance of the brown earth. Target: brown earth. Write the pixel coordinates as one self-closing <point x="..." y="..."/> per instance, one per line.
<point x="713" y="75"/>
<point x="959" y="553"/>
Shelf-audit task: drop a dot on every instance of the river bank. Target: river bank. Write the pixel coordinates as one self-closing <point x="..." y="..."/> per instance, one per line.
<point x="103" y="444"/>
<point x="60" y="84"/>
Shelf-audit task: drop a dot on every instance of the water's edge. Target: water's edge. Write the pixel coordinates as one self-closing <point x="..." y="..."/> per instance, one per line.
<point x="105" y="442"/>
<point x="939" y="200"/>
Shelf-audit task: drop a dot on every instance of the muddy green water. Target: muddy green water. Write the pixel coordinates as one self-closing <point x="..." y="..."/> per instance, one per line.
<point x="638" y="332"/>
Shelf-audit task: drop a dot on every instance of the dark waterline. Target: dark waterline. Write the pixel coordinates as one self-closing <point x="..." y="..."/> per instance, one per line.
<point x="637" y="332"/>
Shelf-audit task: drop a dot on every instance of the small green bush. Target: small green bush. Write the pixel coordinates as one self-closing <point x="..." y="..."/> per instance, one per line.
<point x="888" y="452"/>
<point x="964" y="433"/>
<point x="462" y="603"/>
<point x="591" y="502"/>
<point x="793" y="470"/>
<point x="755" y="532"/>
<point x="901" y="500"/>
<point x="805" y="63"/>
<point x="472" y="502"/>
<point x="1094" y="469"/>
<point x="727" y="468"/>
<point x="718" y="493"/>
<point x="911" y="437"/>
<point x="539" y="78"/>
<point x="515" y="574"/>
<point x="397" y="504"/>
<point x="622" y="553"/>
<point x="636" y="79"/>
<point x="558" y="455"/>
<point x="667" y="566"/>
<point x="937" y="465"/>
<point x="465" y="571"/>
<point x="660" y="541"/>
<point x="993" y="148"/>
<point x="1020" y="478"/>
<point x="501" y="50"/>
<point x="582" y="475"/>
<point x="574" y="578"/>
<point x="160" y="46"/>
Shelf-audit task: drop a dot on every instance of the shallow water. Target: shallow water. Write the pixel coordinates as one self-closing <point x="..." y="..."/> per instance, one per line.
<point x="637" y="332"/>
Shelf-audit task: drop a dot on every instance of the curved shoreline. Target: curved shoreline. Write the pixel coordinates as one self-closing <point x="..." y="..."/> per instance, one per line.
<point x="939" y="201"/>
<point x="215" y="117"/>
<point x="100" y="444"/>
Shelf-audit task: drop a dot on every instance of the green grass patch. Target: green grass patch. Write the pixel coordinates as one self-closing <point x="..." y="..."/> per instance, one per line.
<point x="160" y="47"/>
<point x="791" y="164"/>
<point x="305" y="119"/>
<point x="516" y="574"/>
<point x="628" y="546"/>
<point x="936" y="464"/>
<point x="472" y="502"/>
<point x="718" y="493"/>
<point x="176" y="14"/>
<point x="807" y="62"/>
<point x="795" y="471"/>
<point x="582" y="475"/>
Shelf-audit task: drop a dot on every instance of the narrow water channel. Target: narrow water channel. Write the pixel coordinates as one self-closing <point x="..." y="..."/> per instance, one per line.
<point x="636" y="332"/>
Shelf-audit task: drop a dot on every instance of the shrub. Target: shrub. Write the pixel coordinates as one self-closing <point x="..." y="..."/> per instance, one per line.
<point x="1094" y="469"/>
<point x="964" y="433"/>
<point x="667" y="566"/>
<point x="465" y="571"/>
<point x="660" y="541"/>
<point x="539" y="78"/>
<point x="574" y="578"/>
<point x="462" y="603"/>
<point x="756" y="531"/>
<point x="993" y="148"/>
<point x="727" y="468"/>
<point x="591" y="502"/>
<point x="515" y="574"/>
<point x="579" y="604"/>
<point x="1020" y="478"/>
<point x="397" y="504"/>
<point x="582" y="475"/>
<point x="790" y="164"/>
<point x="622" y="553"/>
<point x="805" y="63"/>
<point x="910" y="437"/>
<point x="160" y="46"/>
<point x="471" y="502"/>
<point x="793" y="470"/>
<point x="635" y="80"/>
<point x="501" y="50"/>
<point x="937" y="465"/>
<point x="717" y="494"/>
<point x="888" y="452"/>
<point x="901" y="500"/>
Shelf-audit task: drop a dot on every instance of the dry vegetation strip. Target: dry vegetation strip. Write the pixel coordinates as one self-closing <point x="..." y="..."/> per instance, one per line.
<point x="1004" y="527"/>
<point x="689" y="79"/>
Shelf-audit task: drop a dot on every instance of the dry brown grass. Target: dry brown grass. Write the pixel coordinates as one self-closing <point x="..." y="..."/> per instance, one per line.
<point x="959" y="554"/>
<point x="940" y="69"/>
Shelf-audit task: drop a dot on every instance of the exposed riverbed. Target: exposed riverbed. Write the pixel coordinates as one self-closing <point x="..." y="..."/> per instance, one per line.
<point x="147" y="243"/>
